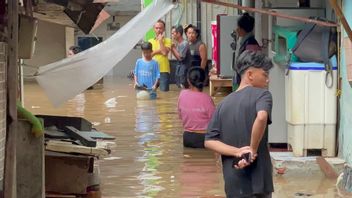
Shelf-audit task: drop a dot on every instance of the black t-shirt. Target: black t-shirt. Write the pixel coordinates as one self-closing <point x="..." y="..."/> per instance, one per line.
<point x="232" y="124"/>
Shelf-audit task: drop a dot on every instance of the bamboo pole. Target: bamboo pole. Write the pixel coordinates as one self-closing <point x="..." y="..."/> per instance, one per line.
<point x="272" y="13"/>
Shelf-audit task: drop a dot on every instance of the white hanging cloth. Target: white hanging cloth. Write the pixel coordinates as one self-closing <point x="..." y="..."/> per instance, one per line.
<point x="66" y="78"/>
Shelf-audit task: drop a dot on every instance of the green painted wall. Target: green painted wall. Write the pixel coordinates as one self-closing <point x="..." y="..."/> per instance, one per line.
<point x="150" y="34"/>
<point x="345" y="132"/>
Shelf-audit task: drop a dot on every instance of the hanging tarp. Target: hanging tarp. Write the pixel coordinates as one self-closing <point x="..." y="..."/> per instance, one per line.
<point x="65" y="79"/>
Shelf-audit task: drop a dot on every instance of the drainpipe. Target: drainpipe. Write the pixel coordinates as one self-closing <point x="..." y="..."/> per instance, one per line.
<point x="246" y="3"/>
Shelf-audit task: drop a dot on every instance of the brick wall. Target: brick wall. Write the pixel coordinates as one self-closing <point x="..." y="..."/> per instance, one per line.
<point x="3" y="64"/>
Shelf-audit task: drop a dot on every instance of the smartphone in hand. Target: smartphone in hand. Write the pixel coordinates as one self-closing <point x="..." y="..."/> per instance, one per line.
<point x="246" y="156"/>
<point x="236" y="160"/>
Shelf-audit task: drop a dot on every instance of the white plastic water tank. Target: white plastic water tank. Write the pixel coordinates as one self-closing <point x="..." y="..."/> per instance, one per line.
<point x="311" y="108"/>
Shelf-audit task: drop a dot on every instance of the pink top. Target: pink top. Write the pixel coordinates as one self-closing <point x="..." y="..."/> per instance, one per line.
<point x="195" y="110"/>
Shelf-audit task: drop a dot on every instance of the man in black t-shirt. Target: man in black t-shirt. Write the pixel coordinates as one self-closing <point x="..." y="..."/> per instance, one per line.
<point x="238" y="127"/>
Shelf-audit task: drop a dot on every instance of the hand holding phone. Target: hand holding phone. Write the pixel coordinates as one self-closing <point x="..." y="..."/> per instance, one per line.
<point x="247" y="157"/>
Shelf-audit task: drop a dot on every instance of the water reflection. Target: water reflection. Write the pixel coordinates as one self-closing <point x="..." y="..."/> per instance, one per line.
<point x="147" y="124"/>
<point x="200" y="174"/>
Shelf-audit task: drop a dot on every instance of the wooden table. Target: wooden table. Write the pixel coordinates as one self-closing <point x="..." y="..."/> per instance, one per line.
<point x="216" y="82"/>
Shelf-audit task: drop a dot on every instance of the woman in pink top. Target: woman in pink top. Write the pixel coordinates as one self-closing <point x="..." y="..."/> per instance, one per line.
<point x="195" y="109"/>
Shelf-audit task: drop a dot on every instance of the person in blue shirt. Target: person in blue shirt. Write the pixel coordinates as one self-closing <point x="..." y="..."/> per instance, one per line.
<point x="146" y="71"/>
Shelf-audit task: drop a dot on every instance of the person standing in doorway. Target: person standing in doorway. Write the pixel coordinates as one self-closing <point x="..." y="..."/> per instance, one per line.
<point x="161" y="49"/>
<point x="180" y="49"/>
<point x="197" y="48"/>
<point x="245" y="27"/>
<point x="237" y="131"/>
<point x="244" y="30"/>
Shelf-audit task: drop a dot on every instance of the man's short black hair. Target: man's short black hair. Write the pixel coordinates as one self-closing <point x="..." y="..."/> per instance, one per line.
<point x="246" y="22"/>
<point x="146" y="46"/>
<point x="254" y="59"/>
<point x="178" y="29"/>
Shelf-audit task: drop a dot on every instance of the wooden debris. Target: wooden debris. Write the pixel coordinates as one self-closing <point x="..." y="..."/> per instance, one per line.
<point x="83" y="138"/>
<point x="67" y="147"/>
<point x="327" y="169"/>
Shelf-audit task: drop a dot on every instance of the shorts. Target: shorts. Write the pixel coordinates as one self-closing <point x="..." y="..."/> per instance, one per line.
<point x="193" y="140"/>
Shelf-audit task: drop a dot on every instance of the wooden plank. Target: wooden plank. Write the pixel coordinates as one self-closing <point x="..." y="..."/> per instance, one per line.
<point x="70" y="148"/>
<point x="12" y="89"/>
<point x="50" y="195"/>
<point x="10" y="162"/>
<point x="93" y="134"/>
<point x="59" y="154"/>
<point x="83" y="138"/>
<point x="30" y="162"/>
<point x="327" y="169"/>
<point x="98" y="135"/>
<point x="12" y="68"/>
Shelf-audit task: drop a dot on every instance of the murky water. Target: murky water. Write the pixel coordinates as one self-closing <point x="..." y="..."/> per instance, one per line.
<point x="148" y="159"/>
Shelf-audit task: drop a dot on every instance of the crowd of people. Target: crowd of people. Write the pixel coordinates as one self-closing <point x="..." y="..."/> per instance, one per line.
<point x="236" y="128"/>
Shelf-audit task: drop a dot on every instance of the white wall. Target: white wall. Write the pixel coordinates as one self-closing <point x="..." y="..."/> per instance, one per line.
<point x="50" y="47"/>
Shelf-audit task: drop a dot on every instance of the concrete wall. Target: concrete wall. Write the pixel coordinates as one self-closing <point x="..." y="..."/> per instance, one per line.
<point x="345" y="132"/>
<point x="50" y="47"/>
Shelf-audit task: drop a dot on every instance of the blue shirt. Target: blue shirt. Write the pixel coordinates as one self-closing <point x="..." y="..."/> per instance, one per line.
<point x="147" y="72"/>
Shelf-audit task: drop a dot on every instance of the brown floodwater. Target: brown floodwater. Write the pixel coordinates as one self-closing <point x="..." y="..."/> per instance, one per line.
<point x="148" y="158"/>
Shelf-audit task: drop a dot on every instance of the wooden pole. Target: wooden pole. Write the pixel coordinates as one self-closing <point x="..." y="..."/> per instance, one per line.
<point x="12" y="69"/>
<point x="340" y="14"/>
<point x="272" y="13"/>
<point x="327" y="169"/>
<point x="12" y="87"/>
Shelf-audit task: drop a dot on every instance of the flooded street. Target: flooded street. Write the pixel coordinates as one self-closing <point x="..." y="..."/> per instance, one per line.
<point x="148" y="159"/>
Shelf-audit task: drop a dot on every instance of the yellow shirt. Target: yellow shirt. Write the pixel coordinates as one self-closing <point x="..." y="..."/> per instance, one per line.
<point x="161" y="59"/>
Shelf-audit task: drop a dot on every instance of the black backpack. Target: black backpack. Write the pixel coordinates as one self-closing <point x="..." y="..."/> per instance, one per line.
<point x="316" y="44"/>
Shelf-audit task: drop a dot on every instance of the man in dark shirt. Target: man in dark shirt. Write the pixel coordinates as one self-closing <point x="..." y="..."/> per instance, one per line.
<point x="180" y="49"/>
<point x="238" y="127"/>
<point x="244" y="30"/>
